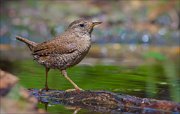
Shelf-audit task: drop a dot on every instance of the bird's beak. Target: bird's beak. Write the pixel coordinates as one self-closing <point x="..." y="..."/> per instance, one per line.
<point x="96" y="23"/>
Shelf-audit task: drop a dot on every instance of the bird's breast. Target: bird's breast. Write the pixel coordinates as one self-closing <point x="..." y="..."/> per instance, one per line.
<point x="84" y="43"/>
<point x="83" y="46"/>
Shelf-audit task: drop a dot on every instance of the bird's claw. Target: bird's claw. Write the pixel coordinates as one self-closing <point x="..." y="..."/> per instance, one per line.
<point x="76" y="89"/>
<point x="41" y="90"/>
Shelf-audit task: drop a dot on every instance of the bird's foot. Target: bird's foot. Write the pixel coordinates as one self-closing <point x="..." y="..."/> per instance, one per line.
<point x="46" y="88"/>
<point x="76" y="89"/>
<point x="41" y="90"/>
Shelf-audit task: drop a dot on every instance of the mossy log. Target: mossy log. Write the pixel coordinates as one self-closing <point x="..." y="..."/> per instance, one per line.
<point x="104" y="101"/>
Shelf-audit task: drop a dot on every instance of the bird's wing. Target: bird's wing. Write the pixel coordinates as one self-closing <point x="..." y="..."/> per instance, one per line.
<point x="56" y="46"/>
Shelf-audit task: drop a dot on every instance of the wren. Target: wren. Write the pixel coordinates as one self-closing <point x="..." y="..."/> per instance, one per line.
<point x="65" y="50"/>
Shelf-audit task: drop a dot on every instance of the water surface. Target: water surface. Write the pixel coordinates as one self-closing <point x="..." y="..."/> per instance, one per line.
<point x="142" y="81"/>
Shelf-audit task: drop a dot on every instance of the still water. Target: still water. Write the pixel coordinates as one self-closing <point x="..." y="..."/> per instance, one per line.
<point x="142" y="81"/>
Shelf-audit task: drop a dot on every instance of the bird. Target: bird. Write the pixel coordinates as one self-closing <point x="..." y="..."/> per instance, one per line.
<point x="65" y="50"/>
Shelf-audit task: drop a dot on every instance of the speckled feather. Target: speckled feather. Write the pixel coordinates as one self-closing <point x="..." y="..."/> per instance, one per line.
<point x="65" y="50"/>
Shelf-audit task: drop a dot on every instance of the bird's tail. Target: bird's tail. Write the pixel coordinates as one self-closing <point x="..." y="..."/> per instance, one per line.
<point x="30" y="44"/>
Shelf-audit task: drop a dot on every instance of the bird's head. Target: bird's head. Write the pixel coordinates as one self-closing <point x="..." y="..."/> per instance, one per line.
<point x="83" y="25"/>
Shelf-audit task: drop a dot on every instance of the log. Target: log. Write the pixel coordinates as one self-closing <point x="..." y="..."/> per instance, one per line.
<point x="104" y="101"/>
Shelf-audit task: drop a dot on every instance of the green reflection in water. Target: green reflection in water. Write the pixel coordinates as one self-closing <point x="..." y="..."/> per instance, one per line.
<point x="142" y="81"/>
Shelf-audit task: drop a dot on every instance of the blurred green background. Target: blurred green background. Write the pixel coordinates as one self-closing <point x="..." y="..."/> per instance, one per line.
<point x="135" y="51"/>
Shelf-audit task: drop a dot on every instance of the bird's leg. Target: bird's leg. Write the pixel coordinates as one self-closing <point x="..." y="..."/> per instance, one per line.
<point x="64" y="73"/>
<point x="46" y="84"/>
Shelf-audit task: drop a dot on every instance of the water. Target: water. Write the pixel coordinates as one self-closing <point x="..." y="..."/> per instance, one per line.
<point x="142" y="81"/>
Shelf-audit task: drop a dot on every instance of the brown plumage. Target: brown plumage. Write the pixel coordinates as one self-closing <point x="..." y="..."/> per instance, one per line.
<point x="65" y="50"/>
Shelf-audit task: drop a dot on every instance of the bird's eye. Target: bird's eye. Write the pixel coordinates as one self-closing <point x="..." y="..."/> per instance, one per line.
<point x="81" y="25"/>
